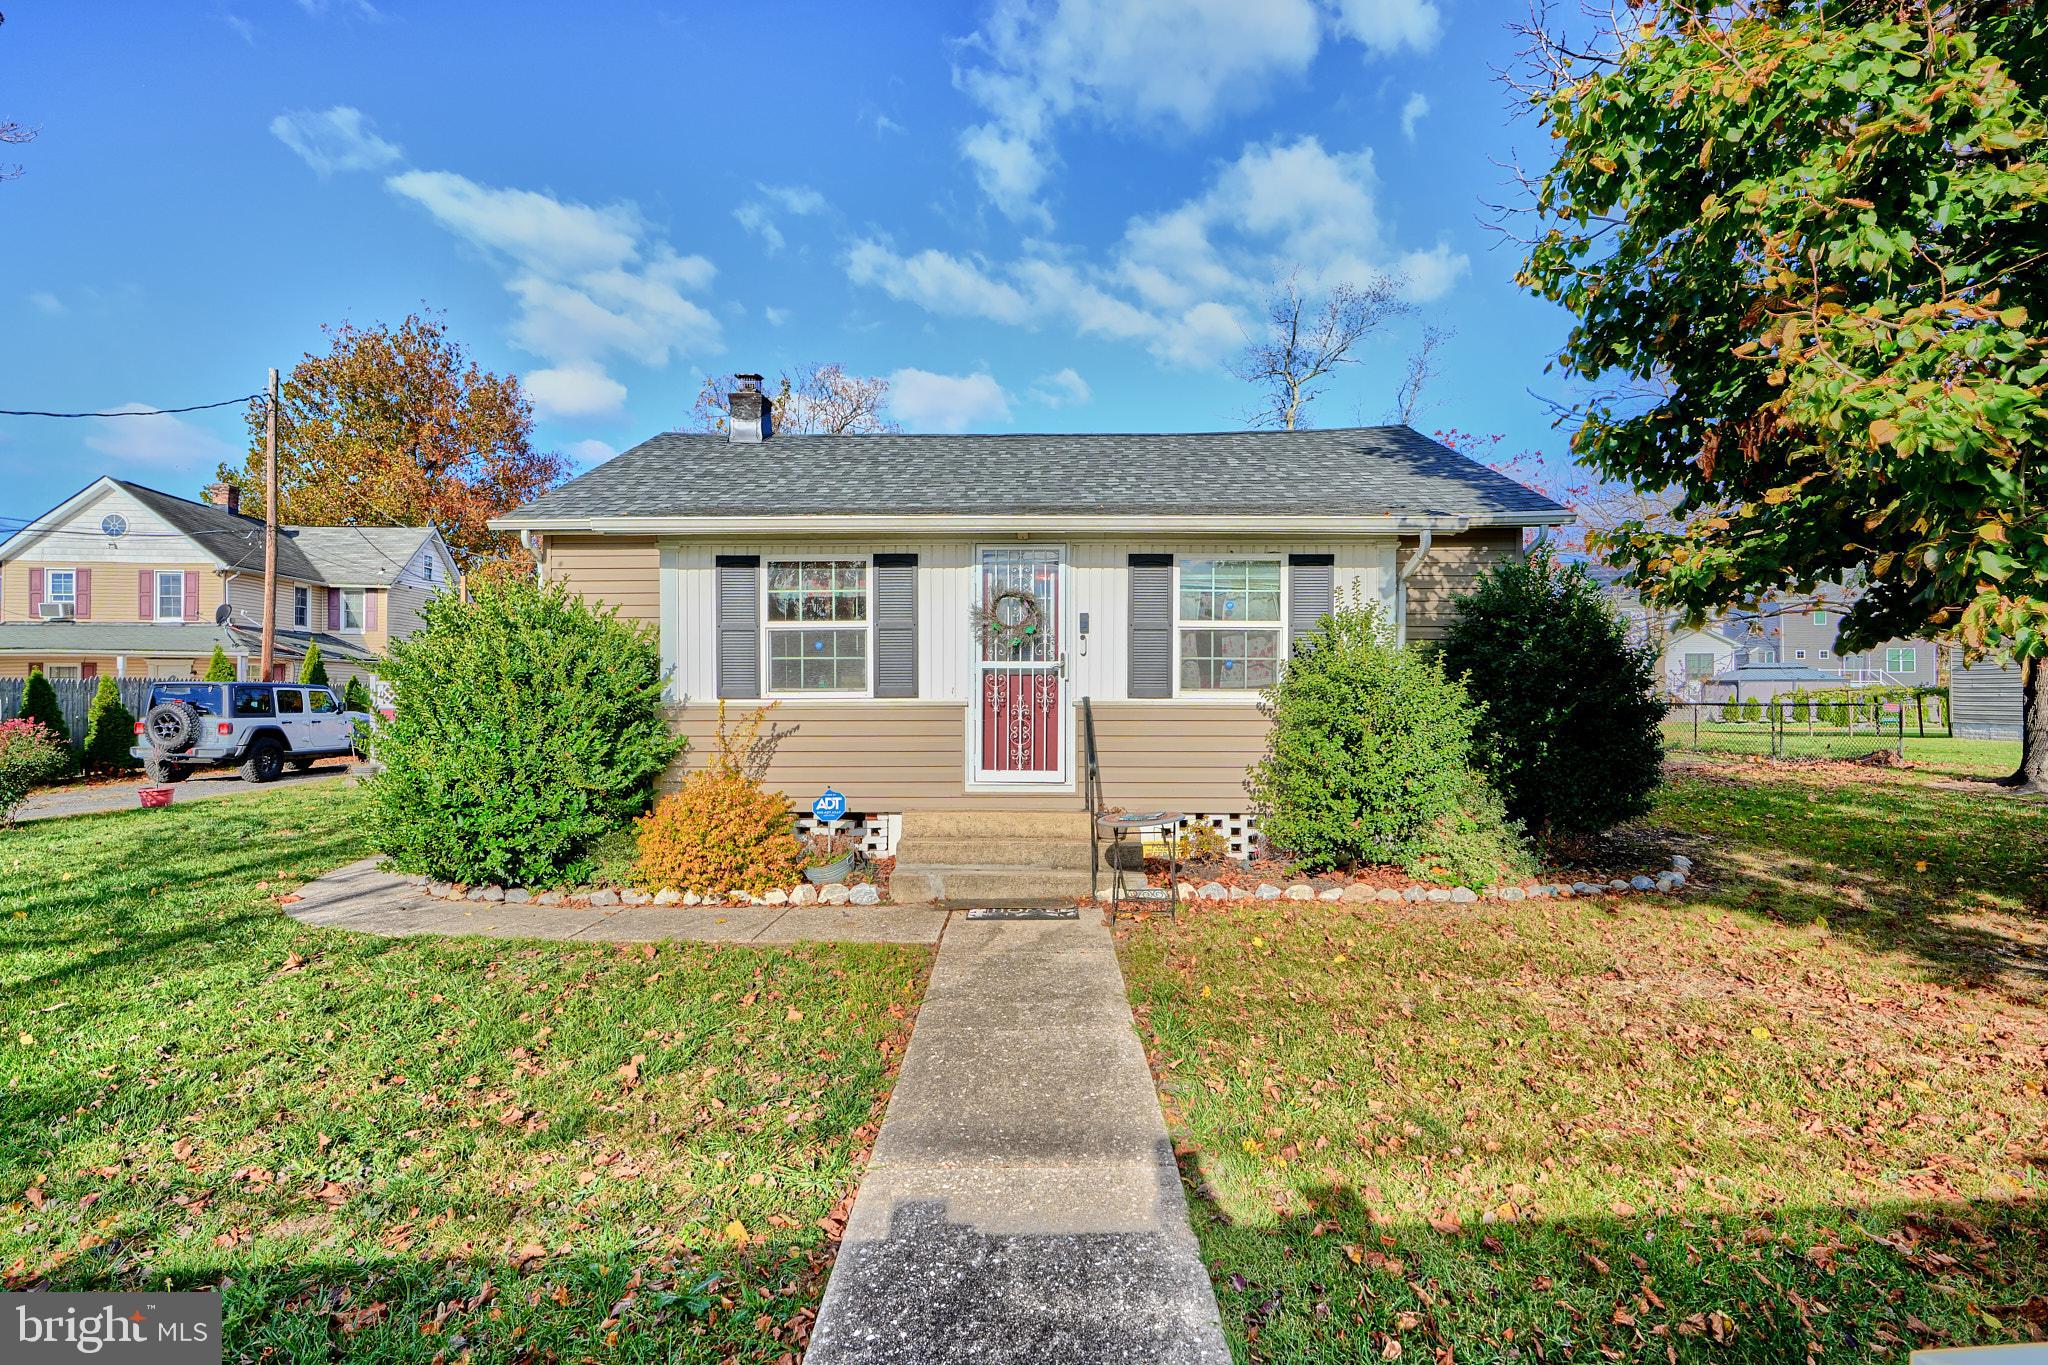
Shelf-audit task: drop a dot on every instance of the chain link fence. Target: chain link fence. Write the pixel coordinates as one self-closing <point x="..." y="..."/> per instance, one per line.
<point x="1787" y="729"/>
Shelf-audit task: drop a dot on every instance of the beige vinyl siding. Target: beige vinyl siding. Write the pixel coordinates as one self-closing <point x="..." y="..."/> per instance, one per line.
<point x="622" y="571"/>
<point x="1448" y="572"/>
<point x="113" y="588"/>
<point x="892" y="756"/>
<point x="176" y="666"/>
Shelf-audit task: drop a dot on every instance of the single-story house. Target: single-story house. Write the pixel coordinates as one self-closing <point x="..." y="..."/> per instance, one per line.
<point x="1763" y="681"/>
<point x="950" y="623"/>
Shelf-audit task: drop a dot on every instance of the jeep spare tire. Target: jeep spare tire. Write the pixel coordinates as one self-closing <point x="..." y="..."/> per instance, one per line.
<point x="172" y="726"/>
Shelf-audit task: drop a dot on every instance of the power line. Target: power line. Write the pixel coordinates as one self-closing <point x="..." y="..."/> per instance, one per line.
<point x="133" y="412"/>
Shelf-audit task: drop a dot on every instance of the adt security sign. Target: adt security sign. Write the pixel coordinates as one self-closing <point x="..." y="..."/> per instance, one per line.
<point x="829" y="807"/>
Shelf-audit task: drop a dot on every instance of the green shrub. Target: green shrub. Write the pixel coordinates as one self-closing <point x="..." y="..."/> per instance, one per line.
<point x="220" y="668"/>
<point x="356" y="697"/>
<point x="1753" y="709"/>
<point x="528" y="723"/>
<point x="39" y="704"/>
<point x="1571" y="731"/>
<point x="109" y="730"/>
<point x="313" y="669"/>
<point x="30" y="755"/>
<point x="1477" y="845"/>
<point x="1367" y="748"/>
<point x="1731" y="709"/>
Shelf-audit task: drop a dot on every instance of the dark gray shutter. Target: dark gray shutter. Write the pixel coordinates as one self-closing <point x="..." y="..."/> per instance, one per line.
<point x="739" y="625"/>
<point x="1151" y="629"/>
<point x="895" y="625"/>
<point x="1311" y="593"/>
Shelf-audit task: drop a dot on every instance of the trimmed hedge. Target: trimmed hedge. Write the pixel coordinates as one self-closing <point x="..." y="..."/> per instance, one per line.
<point x="528" y="724"/>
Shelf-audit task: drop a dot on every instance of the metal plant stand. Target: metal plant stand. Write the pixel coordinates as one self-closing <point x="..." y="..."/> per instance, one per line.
<point x="1141" y="897"/>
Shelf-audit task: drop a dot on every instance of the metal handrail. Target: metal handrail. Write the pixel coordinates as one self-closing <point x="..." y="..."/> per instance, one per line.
<point x="1091" y="794"/>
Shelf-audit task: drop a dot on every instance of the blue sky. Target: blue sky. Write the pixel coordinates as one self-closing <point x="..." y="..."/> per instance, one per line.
<point x="1055" y="216"/>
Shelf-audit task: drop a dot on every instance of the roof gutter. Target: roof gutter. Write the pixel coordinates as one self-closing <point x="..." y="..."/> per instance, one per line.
<point x="1415" y="560"/>
<point x="1383" y="524"/>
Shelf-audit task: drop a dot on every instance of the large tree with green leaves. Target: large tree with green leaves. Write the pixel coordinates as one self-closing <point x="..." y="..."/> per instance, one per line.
<point x="1804" y="245"/>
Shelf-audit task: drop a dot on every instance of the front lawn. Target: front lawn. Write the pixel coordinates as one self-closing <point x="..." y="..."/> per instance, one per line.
<point x="406" y="1150"/>
<point x="1797" y="1113"/>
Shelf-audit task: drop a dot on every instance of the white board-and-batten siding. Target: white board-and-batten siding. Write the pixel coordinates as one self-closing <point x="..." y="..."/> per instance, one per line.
<point x="1096" y="583"/>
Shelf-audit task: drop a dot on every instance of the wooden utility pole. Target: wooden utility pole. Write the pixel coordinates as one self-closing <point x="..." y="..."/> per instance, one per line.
<point x="269" y="530"/>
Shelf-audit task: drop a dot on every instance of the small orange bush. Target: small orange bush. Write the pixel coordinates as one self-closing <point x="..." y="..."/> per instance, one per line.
<point x="722" y="830"/>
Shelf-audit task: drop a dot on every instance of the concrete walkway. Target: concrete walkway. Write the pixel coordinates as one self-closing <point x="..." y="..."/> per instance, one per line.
<point x="364" y="897"/>
<point x="1022" y="1203"/>
<point x="201" y="786"/>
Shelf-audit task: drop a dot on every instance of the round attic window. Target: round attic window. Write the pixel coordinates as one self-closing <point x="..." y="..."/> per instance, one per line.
<point x="114" y="524"/>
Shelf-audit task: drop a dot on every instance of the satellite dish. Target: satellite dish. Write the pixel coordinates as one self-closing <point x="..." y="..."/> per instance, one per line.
<point x="221" y="614"/>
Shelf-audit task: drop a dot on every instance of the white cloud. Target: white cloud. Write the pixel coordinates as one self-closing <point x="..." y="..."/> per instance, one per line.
<point x="1187" y="281"/>
<point x="1174" y="63"/>
<point x="160" y="439"/>
<point x="48" y="304"/>
<point x="758" y="215"/>
<point x="1412" y="113"/>
<point x="925" y="401"/>
<point x="1387" y="26"/>
<point x="776" y="316"/>
<point x="337" y="139"/>
<point x="574" y="391"/>
<point x="1060" y="389"/>
<point x="590" y="452"/>
<point x="593" y="283"/>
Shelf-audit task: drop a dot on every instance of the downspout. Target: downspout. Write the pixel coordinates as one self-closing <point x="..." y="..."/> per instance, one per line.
<point x="1422" y="545"/>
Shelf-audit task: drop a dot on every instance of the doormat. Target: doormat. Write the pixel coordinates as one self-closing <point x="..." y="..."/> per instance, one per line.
<point x="1025" y="912"/>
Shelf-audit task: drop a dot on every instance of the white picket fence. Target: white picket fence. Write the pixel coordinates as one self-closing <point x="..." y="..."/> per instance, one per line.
<point x="74" y="698"/>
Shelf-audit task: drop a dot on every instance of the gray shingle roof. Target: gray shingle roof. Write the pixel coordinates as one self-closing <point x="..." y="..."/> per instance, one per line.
<point x="184" y="639"/>
<point x="1362" y="471"/>
<point x="345" y="556"/>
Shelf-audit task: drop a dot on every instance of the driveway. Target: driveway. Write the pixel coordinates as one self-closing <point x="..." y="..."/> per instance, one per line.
<point x="201" y="786"/>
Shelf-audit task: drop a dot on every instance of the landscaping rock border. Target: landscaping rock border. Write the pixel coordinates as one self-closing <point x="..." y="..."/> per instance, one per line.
<point x="608" y="897"/>
<point x="1665" y="882"/>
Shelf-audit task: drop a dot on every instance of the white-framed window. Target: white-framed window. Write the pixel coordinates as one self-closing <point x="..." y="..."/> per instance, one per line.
<point x="1798" y="653"/>
<point x="1820" y="616"/>
<point x="302" y="605"/>
<point x="62" y="672"/>
<point x="1901" y="659"/>
<point x="170" y="594"/>
<point x="351" y="607"/>
<point x="1230" y="621"/>
<point x="1699" y="667"/>
<point x="61" y="585"/>
<point x="816" y="626"/>
<point x="1823" y="653"/>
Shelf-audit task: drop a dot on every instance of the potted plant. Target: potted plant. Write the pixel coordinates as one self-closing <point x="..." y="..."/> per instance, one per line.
<point x="829" y="858"/>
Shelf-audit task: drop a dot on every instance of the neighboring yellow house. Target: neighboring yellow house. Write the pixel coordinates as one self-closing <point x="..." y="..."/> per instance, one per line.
<point x="130" y="581"/>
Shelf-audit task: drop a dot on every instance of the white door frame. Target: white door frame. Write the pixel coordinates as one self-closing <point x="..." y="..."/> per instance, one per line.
<point x="979" y="780"/>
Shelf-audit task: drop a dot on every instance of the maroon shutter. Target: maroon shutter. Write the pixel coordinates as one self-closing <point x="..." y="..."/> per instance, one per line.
<point x="333" y="609"/>
<point x="370" y="610"/>
<point x="35" y="590"/>
<point x="191" y="596"/>
<point x="88" y="670"/>
<point x="84" y="608"/>
<point x="145" y="595"/>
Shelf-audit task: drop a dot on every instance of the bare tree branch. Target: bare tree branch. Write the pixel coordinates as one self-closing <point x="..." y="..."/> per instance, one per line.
<point x="816" y="399"/>
<point x="1305" y="343"/>
<point x="1408" y="402"/>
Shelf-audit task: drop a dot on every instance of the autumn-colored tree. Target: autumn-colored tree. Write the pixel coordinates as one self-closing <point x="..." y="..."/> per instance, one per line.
<point x="399" y="427"/>
<point x="1805" y="246"/>
<point x="816" y="399"/>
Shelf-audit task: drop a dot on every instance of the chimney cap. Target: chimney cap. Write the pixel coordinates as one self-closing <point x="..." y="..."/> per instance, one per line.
<point x="751" y="381"/>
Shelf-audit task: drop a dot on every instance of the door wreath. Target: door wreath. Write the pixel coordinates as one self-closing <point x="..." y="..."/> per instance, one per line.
<point x="1011" y="619"/>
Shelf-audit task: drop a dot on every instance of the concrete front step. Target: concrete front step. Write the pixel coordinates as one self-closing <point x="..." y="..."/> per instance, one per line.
<point x="972" y="884"/>
<point x="994" y="850"/>
<point x="1003" y="824"/>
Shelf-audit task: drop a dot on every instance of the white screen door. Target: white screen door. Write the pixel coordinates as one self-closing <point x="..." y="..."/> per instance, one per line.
<point x="1022" y="732"/>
